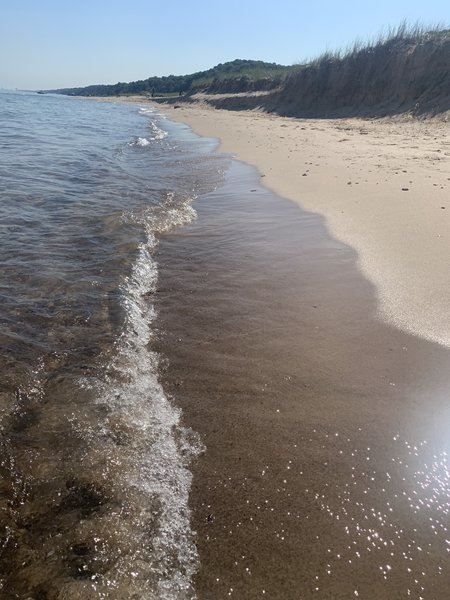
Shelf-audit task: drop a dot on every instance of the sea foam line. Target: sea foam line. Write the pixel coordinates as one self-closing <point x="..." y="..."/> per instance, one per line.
<point x="154" y="465"/>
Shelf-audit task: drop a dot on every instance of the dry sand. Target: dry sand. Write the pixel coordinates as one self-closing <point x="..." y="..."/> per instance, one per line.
<point x="382" y="185"/>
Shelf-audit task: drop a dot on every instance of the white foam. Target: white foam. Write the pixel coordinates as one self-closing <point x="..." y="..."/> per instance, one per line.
<point x="153" y="465"/>
<point x="162" y="470"/>
<point x="140" y="141"/>
<point x="154" y="112"/>
<point x="172" y="212"/>
<point x="146" y="110"/>
<point x="157" y="133"/>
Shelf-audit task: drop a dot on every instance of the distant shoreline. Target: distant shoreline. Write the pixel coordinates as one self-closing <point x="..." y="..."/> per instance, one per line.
<point x="404" y="71"/>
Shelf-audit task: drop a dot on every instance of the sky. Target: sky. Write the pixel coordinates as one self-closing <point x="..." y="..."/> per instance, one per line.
<point x="46" y="44"/>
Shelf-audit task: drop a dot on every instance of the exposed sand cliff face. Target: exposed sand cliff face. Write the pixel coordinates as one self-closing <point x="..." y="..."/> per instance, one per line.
<point x="397" y="77"/>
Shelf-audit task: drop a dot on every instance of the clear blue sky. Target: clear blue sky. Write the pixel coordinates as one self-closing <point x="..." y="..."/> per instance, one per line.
<point x="59" y="43"/>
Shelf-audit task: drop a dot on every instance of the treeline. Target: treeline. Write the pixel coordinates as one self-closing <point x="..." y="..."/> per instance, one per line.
<point x="252" y="74"/>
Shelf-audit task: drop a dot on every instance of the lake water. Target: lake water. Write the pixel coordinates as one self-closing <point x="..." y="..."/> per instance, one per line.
<point x="197" y="397"/>
<point x="94" y="462"/>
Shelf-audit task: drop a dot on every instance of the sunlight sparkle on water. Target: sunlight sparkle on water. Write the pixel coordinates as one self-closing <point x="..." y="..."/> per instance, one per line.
<point x="395" y="519"/>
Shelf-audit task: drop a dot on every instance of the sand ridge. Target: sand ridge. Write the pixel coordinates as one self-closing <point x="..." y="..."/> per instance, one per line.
<point x="383" y="186"/>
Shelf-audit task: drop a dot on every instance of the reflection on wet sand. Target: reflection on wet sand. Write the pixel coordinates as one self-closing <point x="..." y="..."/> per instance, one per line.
<point x="396" y="518"/>
<point x="325" y="474"/>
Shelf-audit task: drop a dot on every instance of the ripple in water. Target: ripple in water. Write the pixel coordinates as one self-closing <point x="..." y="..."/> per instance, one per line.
<point x="94" y="460"/>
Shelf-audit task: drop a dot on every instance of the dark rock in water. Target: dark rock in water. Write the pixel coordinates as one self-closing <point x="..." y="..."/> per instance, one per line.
<point x="81" y="549"/>
<point x="85" y="497"/>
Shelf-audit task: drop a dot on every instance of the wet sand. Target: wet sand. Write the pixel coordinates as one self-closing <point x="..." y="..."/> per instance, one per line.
<point x="383" y="187"/>
<point x="325" y="473"/>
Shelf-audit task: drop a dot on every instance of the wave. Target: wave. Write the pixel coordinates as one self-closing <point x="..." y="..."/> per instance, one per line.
<point x="149" y="451"/>
<point x="151" y="468"/>
<point x="140" y="141"/>
<point x="111" y="486"/>
<point x="157" y="133"/>
<point x="150" y="111"/>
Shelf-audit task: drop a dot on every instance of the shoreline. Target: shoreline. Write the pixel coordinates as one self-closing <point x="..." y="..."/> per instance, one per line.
<point x="326" y="429"/>
<point x="383" y="187"/>
<point x="319" y="421"/>
<point x="303" y="396"/>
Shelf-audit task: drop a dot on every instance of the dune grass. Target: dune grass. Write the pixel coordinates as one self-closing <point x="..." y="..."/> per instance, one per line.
<point x="404" y="33"/>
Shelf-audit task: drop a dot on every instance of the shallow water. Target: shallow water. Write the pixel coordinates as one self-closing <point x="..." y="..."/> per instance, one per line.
<point x="94" y="461"/>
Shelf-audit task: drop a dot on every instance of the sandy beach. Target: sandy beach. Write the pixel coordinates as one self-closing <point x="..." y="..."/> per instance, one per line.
<point x="325" y="468"/>
<point x="306" y="345"/>
<point x="307" y="360"/>
<point x="383" y="187"/>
